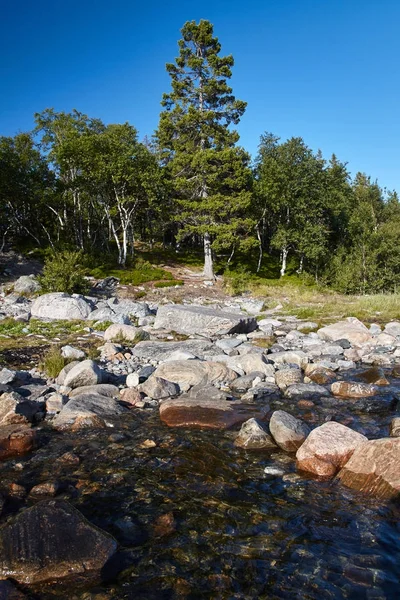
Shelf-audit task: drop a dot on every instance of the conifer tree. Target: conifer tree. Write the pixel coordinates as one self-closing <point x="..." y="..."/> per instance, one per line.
<point x="210" y="176"/>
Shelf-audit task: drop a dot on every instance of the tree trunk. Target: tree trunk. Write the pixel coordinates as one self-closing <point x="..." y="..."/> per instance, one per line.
<point x="208" y="260"/>
<point x="300" y="269"/>
<point x="284" y="260"/>
<point x="260" y="251"/>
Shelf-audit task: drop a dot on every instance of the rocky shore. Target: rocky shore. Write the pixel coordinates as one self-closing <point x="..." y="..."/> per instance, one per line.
<point x="325" y="398"/>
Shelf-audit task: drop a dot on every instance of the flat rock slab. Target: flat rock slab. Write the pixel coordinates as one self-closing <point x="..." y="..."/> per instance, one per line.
<point x="202" y="321"/>
<point x="161" y="351"/>
<point x="207" y="407"/>
<point x="61" y="306"/>
<point x="52" y="541"/>
<point x="193" y="372"/>
<point x="374" y="468"/>
<point x="354" y="331"/>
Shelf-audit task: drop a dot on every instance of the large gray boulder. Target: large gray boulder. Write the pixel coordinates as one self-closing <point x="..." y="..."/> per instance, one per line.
<point x="86" y="372"/>
<point x="352" y="330"/>
<point x="202" y="320"/>
<point x="60" y="306"/>
<point x="50" y="541"/>
<point x="87" y="410"/>
<point x="124" y="306"/>
<point x="288" y="432"/>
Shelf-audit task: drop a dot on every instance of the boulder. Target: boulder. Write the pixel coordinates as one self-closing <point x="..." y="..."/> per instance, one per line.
<point x="127" y="333"/>
<point x="86" y="372"/>
<point x="7" y="376"/>
<point x="353" y="389"/>
<point x="288" y="432"/>
<point x="306" y="391"/>
<point x="55" y="403"/>
<point x="101" y="315"/>
<point x="286" y="377"/>
<point x="15" y="409"/>
<point x="162" y="351"/>
<point x="14" y="440"/>
<point x="328" y="448"/>
<point x="64" y="372"/>
<point x="289" y="357"/>
<point x="395" y="427"/>
<point x="87" y="410"/>
<point x="207" y="407"/>
<point x="374" y="468"/>
<point x="132" y="380"/>
<point x="192" y="372"/>
<point x="58" y="305"/>
<point x="158" y="388"/>
<point x="202" y="320"/>
<point x="249" y="363"/>
<point x="228" y="345"/>
<point x="73" y="353"/>
<point x="130" y="396"/>
<point x="393" y="328"/>
<point x="103" y="389"/>
<point x="252" y="436"/>
<point x="374" y="375"/>
<point x="131" y="308"/>
<point x="26" y="284"/>
<point x="320" y="375"/>
<point x="33" y="546"/>
<point x="244" y="383"/>
<point x="352" y="330"/>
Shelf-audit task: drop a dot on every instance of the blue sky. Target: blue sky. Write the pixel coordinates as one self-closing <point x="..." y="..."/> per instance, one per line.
<point x="326" y="70"/>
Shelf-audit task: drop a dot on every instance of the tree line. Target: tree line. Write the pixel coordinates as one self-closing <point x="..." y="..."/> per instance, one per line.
<point x="77" y="182"/>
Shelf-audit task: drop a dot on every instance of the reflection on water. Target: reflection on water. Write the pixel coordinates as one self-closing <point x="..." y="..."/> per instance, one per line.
<point x="228" y="530"/>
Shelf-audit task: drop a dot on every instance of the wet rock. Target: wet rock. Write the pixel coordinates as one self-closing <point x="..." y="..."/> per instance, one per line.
<point x="244" y="383"/>
<point x="375" y="375"/>
<point x="192" y="372"/>
<point x="8" y="591"/>
<point x="352" y="330"/>
<point x="288" y="432"/>
<point x="16" y="439"/>
<point x="202" y="320"/>
<point x="47" y="488"/>
<point x="206" y="407"/>
<point x="353" y="389"/>
<point x="58" y="305"/>
<point x="84" y="373"/>
<point x="162" y="351"/>
<point x="14" y="409"/>
<point x="263" y="392"/>
<point x="252" y="436"/>
<point x="307" y="391"/>
<point x="73" y="353"/>
<point x="33" y="547"/>
<point x="159" y="388"/>
<point x="374" y="468"/>
<point x="87" y="410"/>
<point x="395" y="427"/>
<point x="396" y="371"/>
<point x="328" y="448"/>
<point x="320" y="375"/>
<point x="127" y="333"/>
<point x="164" y="525"/>
<point x="286" y="377"/>
<point x="103" y="389"/>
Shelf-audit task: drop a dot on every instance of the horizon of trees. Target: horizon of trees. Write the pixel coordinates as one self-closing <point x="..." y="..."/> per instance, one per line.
<point x="76" y="182"/>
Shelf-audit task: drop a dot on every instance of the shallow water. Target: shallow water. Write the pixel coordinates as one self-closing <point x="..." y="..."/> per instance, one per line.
<point x="231" y="531"/>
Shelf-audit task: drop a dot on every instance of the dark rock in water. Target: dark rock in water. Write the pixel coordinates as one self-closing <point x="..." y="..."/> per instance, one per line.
<point x="265" y="392"/>
<point x="52" y="541"/>
<point x="306" y="391"/>
<point x="164" y="525"/>
<point x="207" y="407"/>
<point x="375" y="375"/>
<point x="288" y="432"/>
<point x="252" y="436"/>
<point x="8" y="591"/>
<point x="15" y="439"/>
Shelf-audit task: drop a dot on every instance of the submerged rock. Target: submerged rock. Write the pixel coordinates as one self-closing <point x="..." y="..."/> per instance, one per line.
<point x="374" y="468"/>
<point x="328" y="448"/>
<point x="52" y="540"/>
<point x="288" y="432"/>
<point x="252" y="436"/>
<point x="201" y="320"/>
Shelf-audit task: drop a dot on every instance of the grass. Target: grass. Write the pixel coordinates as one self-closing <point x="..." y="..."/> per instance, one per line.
<point x="137" y="274"/>
<point x="53" y="361"/>
<point x="171" y="283"/>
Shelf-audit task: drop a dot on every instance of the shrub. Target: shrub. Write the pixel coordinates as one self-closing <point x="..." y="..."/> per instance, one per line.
<point x="63" y="272"/>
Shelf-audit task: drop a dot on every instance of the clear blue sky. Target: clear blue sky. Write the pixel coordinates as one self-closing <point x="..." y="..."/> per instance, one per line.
<point x="326" y="70"/>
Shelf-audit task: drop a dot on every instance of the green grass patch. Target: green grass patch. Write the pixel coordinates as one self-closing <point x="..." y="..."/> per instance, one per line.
<point x="53" y="362"/>
<point x="138" y="274"/>
<point x="171" y="283"/>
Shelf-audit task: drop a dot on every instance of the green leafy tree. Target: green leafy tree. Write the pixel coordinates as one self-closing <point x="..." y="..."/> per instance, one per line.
<point x="210" y="176"/>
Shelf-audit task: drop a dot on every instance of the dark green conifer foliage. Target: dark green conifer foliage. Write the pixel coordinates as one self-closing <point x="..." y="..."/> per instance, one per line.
<point x="210" y="176"/>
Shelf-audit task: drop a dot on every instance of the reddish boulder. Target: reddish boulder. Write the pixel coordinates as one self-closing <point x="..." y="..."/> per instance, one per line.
<point x="328" y="448"/>
<point x="374" y="468"/>
<point x="353" y="389"/>
<point x="15" y="439"/>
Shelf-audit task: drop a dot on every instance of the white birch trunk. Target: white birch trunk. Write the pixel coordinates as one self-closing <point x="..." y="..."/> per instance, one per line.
<point x="208" y="260"/>
<point x="284" y="260"/>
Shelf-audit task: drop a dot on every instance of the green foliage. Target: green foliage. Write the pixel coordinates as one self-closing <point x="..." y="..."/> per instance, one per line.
<point x="142" y="272"/>
<point x="171" y="283"/>
<point x="53" y="362"/>
<point x="64" y="272"/>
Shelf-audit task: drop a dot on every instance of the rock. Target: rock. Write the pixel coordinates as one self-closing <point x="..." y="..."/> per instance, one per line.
<point x="86" y="372"/>
<point x="328" y="448"/>
<point x="15" y="439"/>
<point x="58" y="305"/>
<point x="228" y="345"/>
<point x="353" y="389"/>
<point x="87" y="410"/>
<point x="124" y="306"/>
<point x="320" y="375"/>
<point x="395" y="427"/>
<point x="26" y="284"/>
<point x="159" y="388"/>
<point x="384" y="339"/>
<point x="162" y="351"/>
<point x="252" y="436"/>
<point x="308" y="391"/>
<point x="33" y="546"/>
<point x="15" y="409"/>
<point x="202" y="320"/>
<point x="286" y="377"/>
<point x="132" y="380"/>
<point x="290" y="357"/>
<point x="288" y="432"/>
<point x="192" y="372"/>
<point x="102" y="315"/>
<point x="353" y="330"/>
<point x="47" y="488"/>
<point x="307" y="326"/>
<point x="130" y="396"/>
<point x="393" y="328"/>
<point x="179" y="355"/>
<point x="375" y="375"/>
<point x="55" y="403"/>
<point x="249" y="363"/>
<point x="244" y="383"/>
<point x="206" y="407"/>
<point x="103" y="389"/>
<point x="7" y="376"/>
<point x="63" y="373"/>
<point x="164" y="525"/>
<point x="126" y="333"/>
<point x="9" y="592"/>
<point x="374" y="468"/>
<point x="73" y="353"/>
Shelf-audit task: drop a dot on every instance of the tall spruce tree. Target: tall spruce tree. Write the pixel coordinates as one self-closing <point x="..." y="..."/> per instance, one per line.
<point x="210" y="176"/>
